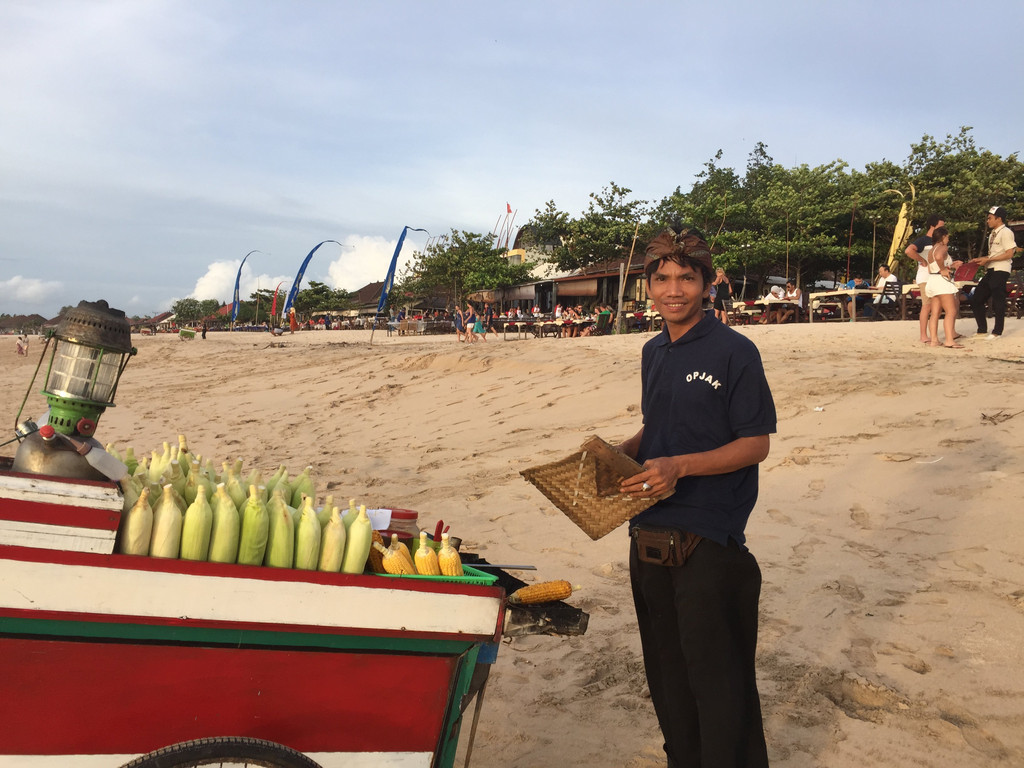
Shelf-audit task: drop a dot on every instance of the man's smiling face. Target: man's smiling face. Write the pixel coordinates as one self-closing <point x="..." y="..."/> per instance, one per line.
<point x="678" y="293"/>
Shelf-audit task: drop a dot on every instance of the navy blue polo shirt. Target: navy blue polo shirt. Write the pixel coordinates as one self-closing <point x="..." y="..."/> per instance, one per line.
<point x="699" y="393"/>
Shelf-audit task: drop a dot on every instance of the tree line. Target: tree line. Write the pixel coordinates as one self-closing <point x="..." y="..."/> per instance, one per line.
<point x="317" y="298"/>
<point x="825" y="222"/>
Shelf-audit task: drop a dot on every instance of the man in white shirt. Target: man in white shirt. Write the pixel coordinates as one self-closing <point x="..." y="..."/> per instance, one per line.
<point x="1001" y="245"/>
<point x="884" y="276"/>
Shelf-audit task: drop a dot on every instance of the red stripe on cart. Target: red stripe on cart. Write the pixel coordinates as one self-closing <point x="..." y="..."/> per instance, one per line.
<point x="83" y="516"/>
<point x="88" y="698"/>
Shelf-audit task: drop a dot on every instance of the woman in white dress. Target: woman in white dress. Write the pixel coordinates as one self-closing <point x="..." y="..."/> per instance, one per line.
<point x="941" y="290"/>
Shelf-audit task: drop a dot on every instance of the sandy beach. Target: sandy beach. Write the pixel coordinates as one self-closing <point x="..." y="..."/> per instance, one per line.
<point x="892" y="551"/>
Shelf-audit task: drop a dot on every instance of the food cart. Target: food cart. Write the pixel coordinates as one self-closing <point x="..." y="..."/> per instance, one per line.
<point x="109" y="659"/>
<point x="106" y="657"/>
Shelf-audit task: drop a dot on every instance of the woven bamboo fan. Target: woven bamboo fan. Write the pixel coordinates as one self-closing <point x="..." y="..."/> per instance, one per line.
<point x="585" y="487"/>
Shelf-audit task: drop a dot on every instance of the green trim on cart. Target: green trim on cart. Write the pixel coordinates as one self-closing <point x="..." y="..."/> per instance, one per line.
<point x="117" y="632"/>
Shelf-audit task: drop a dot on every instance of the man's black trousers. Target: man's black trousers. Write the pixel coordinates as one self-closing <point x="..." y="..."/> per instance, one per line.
<point x="992" y="285"/>
<point x="698" y="630"/>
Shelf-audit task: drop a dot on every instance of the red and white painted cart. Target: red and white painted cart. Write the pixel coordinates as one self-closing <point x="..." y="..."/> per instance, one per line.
<point x="107" y="658"/>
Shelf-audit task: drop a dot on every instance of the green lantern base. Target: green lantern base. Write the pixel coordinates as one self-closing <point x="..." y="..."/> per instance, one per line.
<point x="66" y="413"/>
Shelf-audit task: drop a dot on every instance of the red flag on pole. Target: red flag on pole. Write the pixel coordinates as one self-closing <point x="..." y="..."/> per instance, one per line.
<point x="509" y="207"/>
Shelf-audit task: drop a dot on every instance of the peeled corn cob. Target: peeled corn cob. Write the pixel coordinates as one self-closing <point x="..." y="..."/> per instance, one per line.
<point x="401" y="549"/>
<point x="394" y="562"/>
<point x="448" y="559"/>
<point x="544" y="592"/>
<point x="426" y="558"/>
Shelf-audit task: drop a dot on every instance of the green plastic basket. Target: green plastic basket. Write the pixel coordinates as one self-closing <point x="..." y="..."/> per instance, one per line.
<point x="470" y="576"/>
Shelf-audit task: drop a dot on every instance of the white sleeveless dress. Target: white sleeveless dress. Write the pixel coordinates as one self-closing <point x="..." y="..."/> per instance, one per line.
<point x="938" y="285"/>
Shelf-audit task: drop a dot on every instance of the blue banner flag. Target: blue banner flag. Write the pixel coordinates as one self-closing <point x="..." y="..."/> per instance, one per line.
<point x="238" y="277"/>
<point x="298" y="278"/>
<point x="389" y="281"/>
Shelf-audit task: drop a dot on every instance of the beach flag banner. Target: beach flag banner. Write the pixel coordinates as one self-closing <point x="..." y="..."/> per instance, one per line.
<point x="238" y="277"/>
<point x="298" y="277"/>
<point x="273" y="305"/>
<point x="389" y="281"/>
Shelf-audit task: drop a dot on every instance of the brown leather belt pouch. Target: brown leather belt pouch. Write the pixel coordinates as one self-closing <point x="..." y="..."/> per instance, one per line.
<point x="664" y="546"/>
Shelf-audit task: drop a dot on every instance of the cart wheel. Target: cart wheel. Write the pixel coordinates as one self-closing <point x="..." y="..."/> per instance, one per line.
<point x="224" y="751"/>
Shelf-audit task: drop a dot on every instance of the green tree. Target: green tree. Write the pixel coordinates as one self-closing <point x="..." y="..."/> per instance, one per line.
<point x="549" y="231"/>
<point x="208" y="307"/>
<point x="319" y="297"/>
<point x="187" y="311"/>
<point x="455" y="266"/>
<point x="959" y="181"/>
<point x="604" y="231"/>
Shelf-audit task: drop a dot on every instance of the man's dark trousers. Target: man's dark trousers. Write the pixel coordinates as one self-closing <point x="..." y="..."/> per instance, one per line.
<point x="992" y="285"/>
<point x="698" y="630"/>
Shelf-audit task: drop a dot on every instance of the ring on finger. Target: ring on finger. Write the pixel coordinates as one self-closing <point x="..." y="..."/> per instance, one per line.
<point x="646" y="487"/>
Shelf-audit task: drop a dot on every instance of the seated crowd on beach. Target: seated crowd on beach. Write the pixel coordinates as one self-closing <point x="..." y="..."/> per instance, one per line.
<point x="473" y="325"/>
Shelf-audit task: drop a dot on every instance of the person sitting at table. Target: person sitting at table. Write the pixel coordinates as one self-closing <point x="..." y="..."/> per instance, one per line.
<point x="775" y="293"/>
<point x="786" y="311"/>
<point x="884" y="278"/>
<point x="569" y="318"/>
<point x="858" y="283"/>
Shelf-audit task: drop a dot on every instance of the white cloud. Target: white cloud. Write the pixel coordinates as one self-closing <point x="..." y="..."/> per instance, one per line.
<point x="219" y="281"/>
<point x="28" y="290"/>
<point x="365" y="259"/>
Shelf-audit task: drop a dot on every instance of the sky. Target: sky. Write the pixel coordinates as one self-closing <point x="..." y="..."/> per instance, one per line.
<point x="146" y="146"/>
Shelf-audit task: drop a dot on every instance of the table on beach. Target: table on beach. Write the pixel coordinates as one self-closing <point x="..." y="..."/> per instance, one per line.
<point x="768" y="303"/>
<point x="852" y="292"/>
<point x="540" y="327"/>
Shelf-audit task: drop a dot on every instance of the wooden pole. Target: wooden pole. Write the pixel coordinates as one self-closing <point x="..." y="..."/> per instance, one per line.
<point x="619" y="325"/>
<point x="849" y="244"/>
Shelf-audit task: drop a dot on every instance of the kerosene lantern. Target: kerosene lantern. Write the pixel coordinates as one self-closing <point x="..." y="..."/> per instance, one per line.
<point x="90" y="349"/>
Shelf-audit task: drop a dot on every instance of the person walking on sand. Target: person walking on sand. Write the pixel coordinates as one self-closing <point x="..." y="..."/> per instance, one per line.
<point x="478" y="326"/>
<point x="707" y="416"/>
<point x="293" y="323"/>
<point x="471" y="321"/>
<point x="917" y="251"/>
<point x="460" y="323"/>
<point x="1001" y="245"/>
<point x="489" y="320"/>
<point x="941" y="290"/>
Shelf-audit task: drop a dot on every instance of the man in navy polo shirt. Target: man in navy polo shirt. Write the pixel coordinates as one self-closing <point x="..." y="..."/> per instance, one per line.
<point x="707" y="416"/>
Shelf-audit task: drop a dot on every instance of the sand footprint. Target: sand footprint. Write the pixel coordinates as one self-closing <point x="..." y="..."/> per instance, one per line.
<point x="973" y="733"/>
<point x="814" y="489"/>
